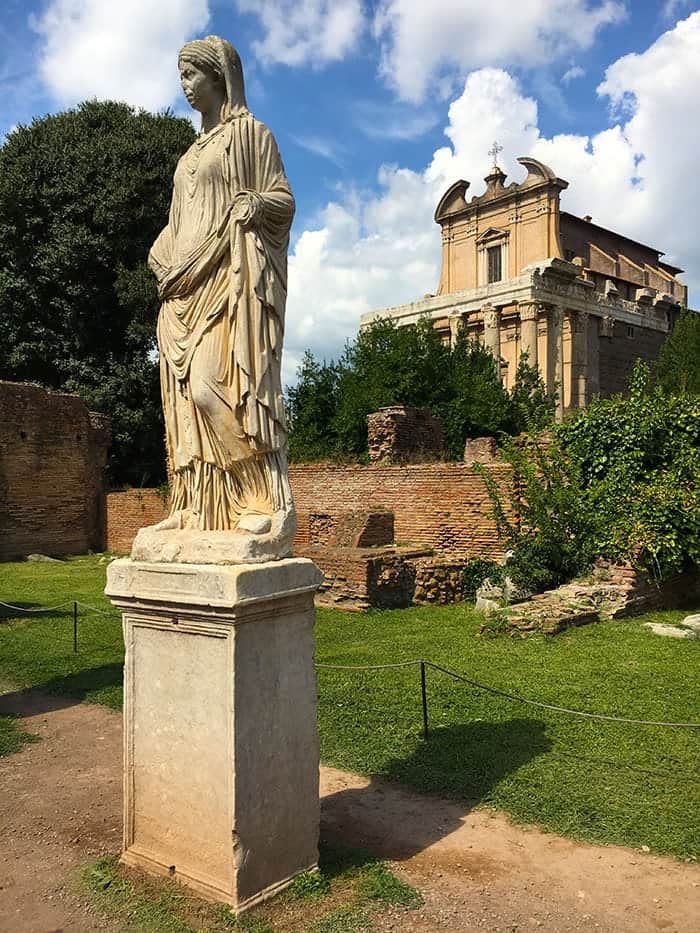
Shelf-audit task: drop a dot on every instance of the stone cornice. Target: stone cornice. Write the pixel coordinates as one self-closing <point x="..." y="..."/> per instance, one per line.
<point x="548" y="288"/>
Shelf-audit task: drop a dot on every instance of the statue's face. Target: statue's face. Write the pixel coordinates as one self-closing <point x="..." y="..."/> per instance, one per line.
<point x="202" y="88"/>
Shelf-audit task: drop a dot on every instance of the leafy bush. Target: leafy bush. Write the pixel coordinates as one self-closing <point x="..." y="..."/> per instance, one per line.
<point x="547" y="523"/>
<point x="639" y="462"/>
<point x="678" y="369"/>
<point x="619" y="480"/>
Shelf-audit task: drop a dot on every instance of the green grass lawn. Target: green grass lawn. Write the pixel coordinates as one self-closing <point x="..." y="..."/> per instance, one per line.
<point x="609" y="782"/>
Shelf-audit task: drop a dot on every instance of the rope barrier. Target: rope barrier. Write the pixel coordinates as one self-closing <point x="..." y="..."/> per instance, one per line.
<point x="559" y="709"/>
<point x="366" y="667"/>
<point x="495" y="691"/>
<point x="45" y="609"/>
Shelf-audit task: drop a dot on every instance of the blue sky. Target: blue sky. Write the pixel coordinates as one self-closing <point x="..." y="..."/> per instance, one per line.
<point x="379" y="106"/>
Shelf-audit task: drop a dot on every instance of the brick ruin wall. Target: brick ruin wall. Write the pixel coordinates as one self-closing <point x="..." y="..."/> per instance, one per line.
<point x="53" y="453"/>
<point x="127" y="511"/>
<point x="402" y="434"/>
<point x="442" y="506"/>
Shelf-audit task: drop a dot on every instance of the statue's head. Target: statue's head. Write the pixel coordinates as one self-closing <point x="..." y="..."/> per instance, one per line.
<point x="210" y="69"/>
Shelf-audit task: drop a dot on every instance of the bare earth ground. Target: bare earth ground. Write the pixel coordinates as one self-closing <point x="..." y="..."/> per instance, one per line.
<point x="60" y="803"/>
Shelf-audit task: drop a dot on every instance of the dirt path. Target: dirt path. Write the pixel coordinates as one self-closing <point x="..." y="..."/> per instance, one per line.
<point x="60" y="803"/>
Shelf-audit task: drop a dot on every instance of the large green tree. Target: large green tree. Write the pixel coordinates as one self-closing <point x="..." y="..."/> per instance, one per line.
<point x="678" y="369"/>
<point x="83" y="194"/>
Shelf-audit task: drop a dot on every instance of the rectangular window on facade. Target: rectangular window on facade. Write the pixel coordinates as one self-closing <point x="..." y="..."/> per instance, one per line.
<point x="493" y="254"/>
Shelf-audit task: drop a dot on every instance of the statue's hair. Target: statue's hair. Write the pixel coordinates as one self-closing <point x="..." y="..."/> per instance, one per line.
<point x="219" y="56"/>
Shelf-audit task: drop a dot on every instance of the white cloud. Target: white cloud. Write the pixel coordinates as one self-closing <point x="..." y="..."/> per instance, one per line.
<point x="444" y="39"/>
<point x="125" y="50"/>
<point x="321" y="146"/>
<point x="635" y="176"/>
<point x="382" y="120"/>
<point x="305" y="32"/>
<point x="575" y="71"/>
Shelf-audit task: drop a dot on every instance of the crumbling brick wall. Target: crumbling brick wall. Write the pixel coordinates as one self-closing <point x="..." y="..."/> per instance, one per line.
<point x="358" y="528"/>
<point x="129" y="510"/>
<point x="404" y="435"/>
<point x="53" y="452"/>
<point x="442" y="506"/>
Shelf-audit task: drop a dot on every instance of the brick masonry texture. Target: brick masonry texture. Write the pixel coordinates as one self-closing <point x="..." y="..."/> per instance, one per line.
<point x="128" y="511"/>
<point x="441" y="506"/>
<point x="53" y="453"/>
<point x="402" y="434"/>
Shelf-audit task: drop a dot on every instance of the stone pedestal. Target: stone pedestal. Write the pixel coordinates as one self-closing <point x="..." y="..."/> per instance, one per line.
<point x="220" y="739"/>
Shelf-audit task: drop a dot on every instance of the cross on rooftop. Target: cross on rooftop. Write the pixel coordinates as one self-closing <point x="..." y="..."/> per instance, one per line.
<point x="494" y="152"/>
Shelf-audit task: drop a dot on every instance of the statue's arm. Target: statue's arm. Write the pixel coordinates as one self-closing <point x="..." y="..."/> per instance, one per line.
<point x="271" y="205"/>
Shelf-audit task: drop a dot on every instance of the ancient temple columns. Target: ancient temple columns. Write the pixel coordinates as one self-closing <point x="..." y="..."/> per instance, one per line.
<point x="528" y="331"/>
<point x="492" y="331"/>
<point x="578" y="321"/>
<point x="456" y="321"/>
<point x="555" y="358"/>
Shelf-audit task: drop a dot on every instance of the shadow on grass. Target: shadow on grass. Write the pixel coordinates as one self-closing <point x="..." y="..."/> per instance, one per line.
<point x="61" y="692"/>
<point x="465" y="762"/>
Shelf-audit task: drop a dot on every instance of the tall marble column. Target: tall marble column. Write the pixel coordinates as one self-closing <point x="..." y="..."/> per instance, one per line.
<point x="492" y="332"/>
<point x="579" y="358"/>
<point x="555" y="358"/>
<point x="528" y="331"/>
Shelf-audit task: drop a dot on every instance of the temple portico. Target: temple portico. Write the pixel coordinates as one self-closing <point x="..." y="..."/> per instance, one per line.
<point x="582" y="313"/>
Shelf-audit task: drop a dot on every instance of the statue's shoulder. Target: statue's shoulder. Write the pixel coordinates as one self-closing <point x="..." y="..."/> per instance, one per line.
<point x="261" y="131"/>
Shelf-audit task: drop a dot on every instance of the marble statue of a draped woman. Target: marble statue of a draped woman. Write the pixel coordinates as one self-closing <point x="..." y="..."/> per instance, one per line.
<point x="221" y="267"/>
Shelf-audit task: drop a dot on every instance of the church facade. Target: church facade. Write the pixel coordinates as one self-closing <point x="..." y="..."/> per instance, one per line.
<point x="523" y="276"/>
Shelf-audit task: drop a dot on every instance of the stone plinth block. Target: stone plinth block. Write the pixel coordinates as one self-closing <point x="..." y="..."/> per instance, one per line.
<point x="220" y="739"/>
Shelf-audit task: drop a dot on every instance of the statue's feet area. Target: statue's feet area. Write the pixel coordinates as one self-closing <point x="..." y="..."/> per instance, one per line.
<point x="258" y="538"/>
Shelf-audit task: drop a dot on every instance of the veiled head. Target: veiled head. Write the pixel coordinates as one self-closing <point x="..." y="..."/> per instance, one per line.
<point x="214" y="66"/>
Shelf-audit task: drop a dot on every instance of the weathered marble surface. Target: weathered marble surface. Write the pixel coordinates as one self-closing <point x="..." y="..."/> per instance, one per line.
<point x="221" y="744"/>
<point x="221" y="268"/>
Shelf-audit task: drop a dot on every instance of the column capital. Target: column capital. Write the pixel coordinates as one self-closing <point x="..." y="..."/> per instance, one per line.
<point x="529" y="311"/>
<point x="491" y="315"/>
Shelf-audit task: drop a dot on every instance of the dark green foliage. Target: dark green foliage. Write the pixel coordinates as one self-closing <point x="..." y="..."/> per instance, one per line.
<point x="555" y="536"/>
<point x="387" y="365"/>
<point x="83" y="195"/>
<point x="532" y="408"/>
<point x="311" y="406"/>
<point x="639" y="463"/>
<point x="476" y="404"/>
<point x="390" y="365"/>
<point x="678" y="369"/>
<point x="619" y="480"/>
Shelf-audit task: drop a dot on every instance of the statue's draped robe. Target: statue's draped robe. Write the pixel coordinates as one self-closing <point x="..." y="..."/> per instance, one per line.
<point x="223" y="288"/>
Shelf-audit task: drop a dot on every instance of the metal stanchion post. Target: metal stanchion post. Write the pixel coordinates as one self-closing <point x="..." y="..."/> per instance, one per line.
<point x="424" y="697"/>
